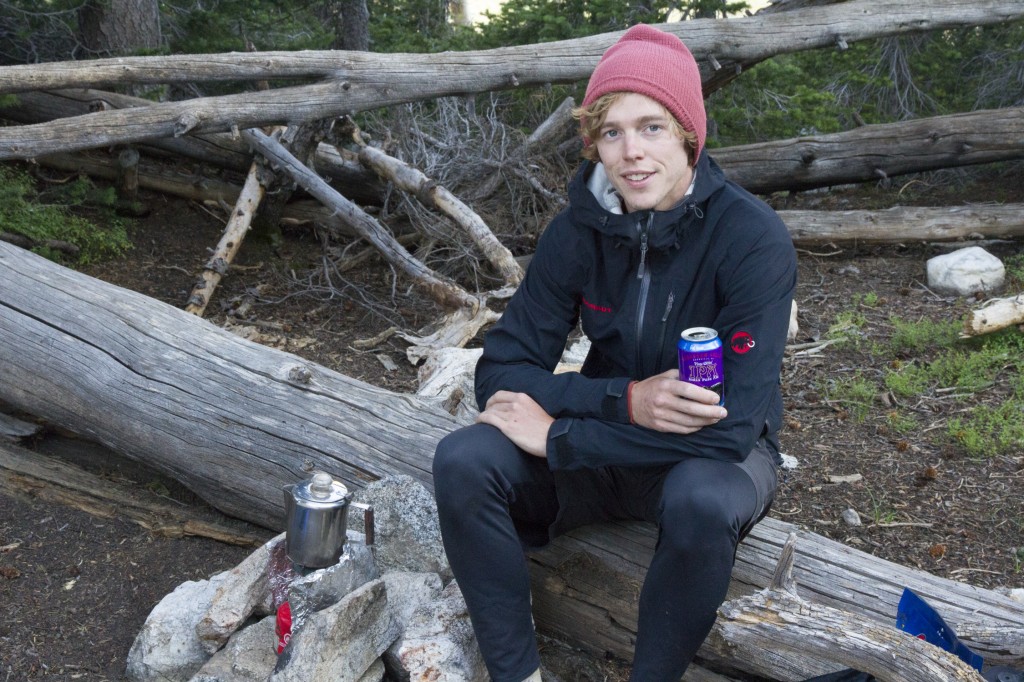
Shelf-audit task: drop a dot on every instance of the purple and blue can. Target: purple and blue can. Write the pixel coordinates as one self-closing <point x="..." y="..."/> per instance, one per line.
<point x="700" y="360"/>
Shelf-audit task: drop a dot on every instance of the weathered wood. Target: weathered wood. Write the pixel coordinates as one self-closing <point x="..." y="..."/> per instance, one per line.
<point x="234" y="422"/>
<point x="428" y="192"/>
<point x="444" y="291"/>
<point x="996" y="314"/>
<point x="26" y="474"/>
<point x="876" y="152"/>
<point x="359" y="81"/>
<point x="230" y="242"/>
<point x="740" y="39"/>
<point x="906" y="223"/>
<point x="223" y="150"/>
<point x="779" y="618"/>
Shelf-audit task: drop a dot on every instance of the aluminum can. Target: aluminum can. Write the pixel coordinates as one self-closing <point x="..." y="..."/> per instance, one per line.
<point x="700" y="360"/>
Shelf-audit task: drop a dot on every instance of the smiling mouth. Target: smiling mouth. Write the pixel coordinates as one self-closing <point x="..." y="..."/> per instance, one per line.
<point x="636" y="177"/>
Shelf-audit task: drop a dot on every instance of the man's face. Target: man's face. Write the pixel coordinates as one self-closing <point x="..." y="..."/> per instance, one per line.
<point x="645" y="161"/>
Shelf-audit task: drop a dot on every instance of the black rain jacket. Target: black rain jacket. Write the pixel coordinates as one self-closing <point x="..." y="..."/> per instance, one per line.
<point x="721" y="259"/>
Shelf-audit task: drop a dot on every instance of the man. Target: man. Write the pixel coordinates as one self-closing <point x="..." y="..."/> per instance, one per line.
<point x="655" y="241"/>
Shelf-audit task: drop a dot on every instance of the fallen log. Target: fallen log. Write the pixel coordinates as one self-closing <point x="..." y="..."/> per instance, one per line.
<point x="798" y="628"/>
<point x="868" y="153"/>
<point x="230" y="242"/>
<point x="234" y="422"/>
<point x="877" y="152"/>
<point x="906" y="223"/>
<point x="359" y="81"/>
<point x="25" y="474"/>
<point x="222" y="150"/>
<point x="996" y="314"/>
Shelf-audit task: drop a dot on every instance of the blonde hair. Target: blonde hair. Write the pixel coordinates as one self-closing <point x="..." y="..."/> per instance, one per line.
<point x="592" y="118"/>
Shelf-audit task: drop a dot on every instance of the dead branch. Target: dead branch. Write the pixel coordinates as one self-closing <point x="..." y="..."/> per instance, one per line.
<point x="412" y="180"/>
<point x="996" y="314"/>
<point x="28" y="475"/>
<point x="235" y="231"/>
<point x="445" y="292"/>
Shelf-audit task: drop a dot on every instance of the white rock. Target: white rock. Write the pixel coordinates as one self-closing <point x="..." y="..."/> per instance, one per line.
<point x="851" y="517"/>
<point x="167" y="648"/>
<point x="341" y="642"/>
<point x="789" y="461"/>
<point x="406" y="592"/>
<point x="243" y="591"/>
<point x="965" y="271"/>
<point x="408" y="535"/>
<point x="794" y="326"/>
<point x="439" y="642"/>
<point x="249" y="656"/>
<point x="375" y="673"/>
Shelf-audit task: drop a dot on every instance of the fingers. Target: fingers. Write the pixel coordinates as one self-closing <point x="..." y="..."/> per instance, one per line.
<point x="665" y="403"/>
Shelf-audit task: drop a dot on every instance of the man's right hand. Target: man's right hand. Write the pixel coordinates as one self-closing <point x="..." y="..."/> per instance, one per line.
<point x="664" y="403"/>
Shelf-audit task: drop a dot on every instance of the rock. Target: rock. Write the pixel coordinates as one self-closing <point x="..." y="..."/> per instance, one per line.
<point x="851" y="517"/>
<point x="244" y="591"/>
<point x="408" y="537"/>
<point x="167" y="648"/>
<point x="965" y="271"/>
<point x="439" y="644"/>
<point x="341" y="642"/>
<point x="789" y="461"/>
<point x="375" y="673"/>
<point x="406" y="592"/>
<point x="248" y="656"/>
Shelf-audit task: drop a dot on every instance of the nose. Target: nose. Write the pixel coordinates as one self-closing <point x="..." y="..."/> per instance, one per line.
<point x="632" y="146"/>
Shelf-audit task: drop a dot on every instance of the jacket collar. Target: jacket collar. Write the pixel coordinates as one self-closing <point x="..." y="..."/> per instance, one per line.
<point x="604" y="214"/>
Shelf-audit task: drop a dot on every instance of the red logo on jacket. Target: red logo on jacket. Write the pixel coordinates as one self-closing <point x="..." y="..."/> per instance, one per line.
<point x="741" y="342"/>
<point x="595" y="307"/>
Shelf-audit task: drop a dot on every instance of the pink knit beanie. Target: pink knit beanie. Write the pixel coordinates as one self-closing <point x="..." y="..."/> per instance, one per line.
<point x="657" y="64"/>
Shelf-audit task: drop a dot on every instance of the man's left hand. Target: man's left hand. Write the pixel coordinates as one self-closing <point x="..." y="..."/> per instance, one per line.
<point x="520" y="418"/>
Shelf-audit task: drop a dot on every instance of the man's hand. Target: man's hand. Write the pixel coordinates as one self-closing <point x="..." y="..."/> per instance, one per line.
<point x="664" y="403"/>
<point x="520" y="418"/>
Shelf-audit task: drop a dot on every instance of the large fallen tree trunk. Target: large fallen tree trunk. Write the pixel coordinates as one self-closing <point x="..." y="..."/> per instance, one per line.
<point x="235" y="422"/>
<point x="906" y="223"/>
<point x="864" y="154"/>
<point x="877" y="152"/>
<point x="358" y="81"/>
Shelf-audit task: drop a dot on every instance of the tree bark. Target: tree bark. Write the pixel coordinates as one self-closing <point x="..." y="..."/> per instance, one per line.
<point x="25" y="474"/>
<point x="876" y="152"/>
<point x="906" y="223"/>
<point x="119" y="27"/>
<point x="359" y="81"/>
<point x="235" y="421"/>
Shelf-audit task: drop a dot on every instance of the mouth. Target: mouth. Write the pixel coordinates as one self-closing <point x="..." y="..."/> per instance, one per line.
<point x="636" y="177"/>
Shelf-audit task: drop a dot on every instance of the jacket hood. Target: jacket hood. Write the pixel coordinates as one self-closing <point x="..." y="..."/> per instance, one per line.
<point x="666" y="227"/>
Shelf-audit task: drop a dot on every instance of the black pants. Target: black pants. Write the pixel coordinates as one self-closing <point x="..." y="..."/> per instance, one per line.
<point x="493" y="500"/>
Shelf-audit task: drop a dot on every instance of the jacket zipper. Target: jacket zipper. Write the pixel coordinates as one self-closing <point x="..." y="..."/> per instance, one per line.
<point x="664" y="322"/>
<point x="644" y="275"/>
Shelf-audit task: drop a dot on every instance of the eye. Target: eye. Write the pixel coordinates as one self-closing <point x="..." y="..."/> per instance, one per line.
<point x="655" y="128"/>
<point x="610" y="134"/>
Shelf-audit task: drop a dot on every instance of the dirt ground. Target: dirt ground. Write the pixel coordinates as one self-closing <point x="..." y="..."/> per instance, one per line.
<point x="75" y="589"/>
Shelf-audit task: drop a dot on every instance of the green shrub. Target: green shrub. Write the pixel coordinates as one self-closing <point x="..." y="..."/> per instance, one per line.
<point x="41" y="218"/>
